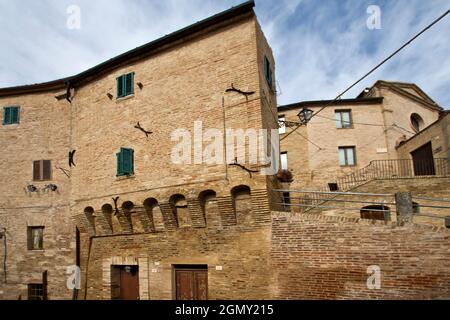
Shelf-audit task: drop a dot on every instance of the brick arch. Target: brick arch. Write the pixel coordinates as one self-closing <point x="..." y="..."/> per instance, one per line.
<point x="152" y="218"/>
<point x="210" y="209"/>
<point x="106" y="218"/>
<point x="90" y="220"/>
<point x="242" y="204"/>
<point x="180" y="210"/>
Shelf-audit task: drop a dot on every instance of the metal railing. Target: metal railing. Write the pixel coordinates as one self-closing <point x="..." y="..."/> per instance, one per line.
<point x="393" y="169"/>
<point x="374" y="206"/>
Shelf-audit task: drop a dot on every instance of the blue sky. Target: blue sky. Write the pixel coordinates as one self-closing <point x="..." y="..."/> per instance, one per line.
<point x="320" y="46"/>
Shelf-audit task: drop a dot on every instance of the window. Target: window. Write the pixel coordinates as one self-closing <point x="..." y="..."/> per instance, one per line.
<point x="343" y="119"/>
<point x="11" y="115"/>
<point x="347" y="156"/>
<point x="376" y="212"/>
<point x="35" y="291"/>
<point x="42" y="170"/>
<point x="284" y="161"/>
<point x="417" y="122"/>
<point x="125" y="85"/>
<point x="282" y="124"/>
<point x="35" y="238"/>
<point x="125" y="162"/>
<point x="268" y="72"/>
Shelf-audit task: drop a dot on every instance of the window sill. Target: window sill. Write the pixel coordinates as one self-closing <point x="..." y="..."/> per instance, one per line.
<point x="124" y="98"/>
<point x="348" y="166"/>
<point x="126" y="177"/>
<point x="36" y="250"/>
<point x="345" y="128"/>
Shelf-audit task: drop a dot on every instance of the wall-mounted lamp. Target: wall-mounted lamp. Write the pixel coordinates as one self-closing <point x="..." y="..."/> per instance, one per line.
<point x="31" y="188"/>
<point x="51" y="187"/>
<point x="305" y="115"/>
<point x="110" y="96"/>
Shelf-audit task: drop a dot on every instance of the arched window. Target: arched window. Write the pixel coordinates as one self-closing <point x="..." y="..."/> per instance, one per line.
<point x="242" y="204"/>
<point x="376" y="212"/>
<point x="180" y="210"/>
<point x="417" y="122"/>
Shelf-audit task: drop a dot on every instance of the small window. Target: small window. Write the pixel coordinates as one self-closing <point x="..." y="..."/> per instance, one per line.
<point x="376" y="212"/>
<point x="343" y="119"/>
<point x="125" y="85"/>
<point x="125" y="162"/>
<point x="284" y="161"/>
<point x="11" y="115"/>
<point x="42" y="170"/>
<point x="36" y="291"/>
<point x="35" y="238"/>
<point x="347" y="156"/>
<point x="268" y="72"/>
<point x="333" y="186"/>
<point x="417" y="122"/>
<point x="282" y="124"/>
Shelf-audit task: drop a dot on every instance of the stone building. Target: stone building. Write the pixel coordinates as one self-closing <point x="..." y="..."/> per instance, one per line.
<point x="121" y="186"/>
<point x="90" y="179"/>
<point x="347" y="135"/>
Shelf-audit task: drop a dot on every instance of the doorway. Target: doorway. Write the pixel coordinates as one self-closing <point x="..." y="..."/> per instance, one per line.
<point x="125" y="283"/>
<point x="191" y="282"/>
<point x="423" y="161"/>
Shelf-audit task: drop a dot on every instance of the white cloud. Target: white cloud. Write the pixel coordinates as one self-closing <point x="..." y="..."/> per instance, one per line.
<point x="321" y="47"/>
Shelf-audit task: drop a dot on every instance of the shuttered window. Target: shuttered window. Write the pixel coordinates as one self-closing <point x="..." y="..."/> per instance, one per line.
<point x="125" y="162"/>
<point x="268" y="72"/>
<point x="11" y="115"/>
<point x="42" y="170"/>
<point x="125" y="85"/>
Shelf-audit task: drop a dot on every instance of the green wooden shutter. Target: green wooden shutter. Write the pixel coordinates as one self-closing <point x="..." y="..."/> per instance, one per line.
<point x="129" y="83"/>
<point x="119" y="164"/>
<point x="268" y="71"/>
<point x="14" y="115"/>
<point x="7" y="115"/>
<point x="120" y="87"/>
<point x="127" y="156"/>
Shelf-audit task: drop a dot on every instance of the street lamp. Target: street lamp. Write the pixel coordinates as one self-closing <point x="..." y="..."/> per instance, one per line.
<point x="305" y="115"/>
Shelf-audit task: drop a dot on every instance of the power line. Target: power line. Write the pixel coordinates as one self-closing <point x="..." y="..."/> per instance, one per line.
<point x="384" y="61"/>
<point x="372" y="70"/>
<point x="371" y="124"/>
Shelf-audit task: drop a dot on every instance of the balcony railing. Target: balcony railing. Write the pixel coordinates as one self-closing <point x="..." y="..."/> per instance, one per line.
<point x="393" y="169"/>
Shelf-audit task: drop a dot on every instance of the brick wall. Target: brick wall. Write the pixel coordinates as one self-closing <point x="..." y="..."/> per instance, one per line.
<point x="318" y="257"/>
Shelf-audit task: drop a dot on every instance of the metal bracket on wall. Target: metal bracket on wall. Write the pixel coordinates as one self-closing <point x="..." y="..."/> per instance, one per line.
<point x="245" y="93"/>
<point x="138" y="126"/>
<point x="116" y="209"/>
<point x="243" y="167"/>
<point x="65" y="171"/>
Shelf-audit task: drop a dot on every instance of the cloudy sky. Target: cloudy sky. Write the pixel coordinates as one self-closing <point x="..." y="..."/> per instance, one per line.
<point x="320" y="46"/>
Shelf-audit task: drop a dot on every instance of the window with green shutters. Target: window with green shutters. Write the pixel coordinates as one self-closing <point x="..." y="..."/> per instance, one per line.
<point x="125" y="162"/>
<point x="125" y="85"/>
<point x="268" y="72"/>
<point x="11" y="115"/>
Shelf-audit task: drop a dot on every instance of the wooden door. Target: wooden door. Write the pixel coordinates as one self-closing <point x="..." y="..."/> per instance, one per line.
<point x="423" y="161"/>
<point x="191" y="284"/>
<point x="129" y="283"/>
